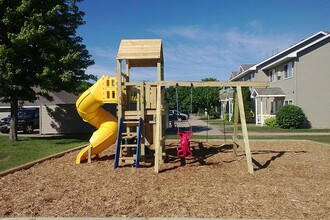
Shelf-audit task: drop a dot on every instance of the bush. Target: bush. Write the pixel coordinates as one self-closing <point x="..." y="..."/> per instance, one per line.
<point x="226" y="117"/>
<point x="290" y="116"/>
<point x="271" y="122"/>
<point x="216" y="115"/>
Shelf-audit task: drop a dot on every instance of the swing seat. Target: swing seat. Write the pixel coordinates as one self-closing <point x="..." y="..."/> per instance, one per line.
<point x="183" y="150"/>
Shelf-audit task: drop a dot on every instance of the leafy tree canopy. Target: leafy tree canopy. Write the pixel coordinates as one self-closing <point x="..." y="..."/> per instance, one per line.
<point x="39" y="49"/>
<point x="202" y="97"/>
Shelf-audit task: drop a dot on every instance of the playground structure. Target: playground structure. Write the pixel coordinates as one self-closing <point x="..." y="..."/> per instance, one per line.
<point x="141" y="109"/>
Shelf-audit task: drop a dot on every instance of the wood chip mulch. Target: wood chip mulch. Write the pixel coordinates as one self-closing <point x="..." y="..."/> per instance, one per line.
<point x="291" y="180"/>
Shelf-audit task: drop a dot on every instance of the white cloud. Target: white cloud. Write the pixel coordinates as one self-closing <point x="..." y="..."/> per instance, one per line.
<point x="100" y="70"/>
<point x="109" y="53"/>
<point x="215" y="53"/>
<point x="256" y="25"/>
<point x="192" y="53"/>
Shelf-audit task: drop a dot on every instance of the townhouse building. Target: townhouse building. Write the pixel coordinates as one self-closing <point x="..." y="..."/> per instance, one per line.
<point x="298" y="75"/>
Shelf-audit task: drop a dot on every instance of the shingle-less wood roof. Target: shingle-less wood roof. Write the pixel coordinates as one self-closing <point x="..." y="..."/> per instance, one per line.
<point x="141" y="53"/>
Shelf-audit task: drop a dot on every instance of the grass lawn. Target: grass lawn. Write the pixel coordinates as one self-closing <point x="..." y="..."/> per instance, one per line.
<point x="228" y="126"/>
<point x="28" y="149"/>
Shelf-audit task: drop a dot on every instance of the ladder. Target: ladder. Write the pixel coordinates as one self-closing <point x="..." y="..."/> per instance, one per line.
<point x="128" y="145"/>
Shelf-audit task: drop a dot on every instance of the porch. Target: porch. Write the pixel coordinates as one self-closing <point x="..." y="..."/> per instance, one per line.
<point x="266" y="102"/>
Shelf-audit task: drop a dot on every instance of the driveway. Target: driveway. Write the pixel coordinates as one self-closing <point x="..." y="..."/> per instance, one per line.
<point x="199" y="127"/>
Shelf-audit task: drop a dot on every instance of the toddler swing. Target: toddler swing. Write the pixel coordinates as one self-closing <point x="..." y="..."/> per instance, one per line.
<point x="183" y="150"/>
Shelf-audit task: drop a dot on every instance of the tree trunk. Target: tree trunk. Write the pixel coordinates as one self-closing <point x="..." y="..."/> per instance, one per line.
<point x="13" y="118"/>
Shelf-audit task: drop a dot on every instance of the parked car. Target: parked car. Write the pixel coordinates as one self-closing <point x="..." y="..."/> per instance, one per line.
<point x="4" y="124"/>
<point x="27" y="121"/>
<point x="177" y="115"/>
<point x="185" y="112"/>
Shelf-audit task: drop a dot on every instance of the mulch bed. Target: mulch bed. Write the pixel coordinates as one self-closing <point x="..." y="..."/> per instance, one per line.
<point x="291" y="180"/>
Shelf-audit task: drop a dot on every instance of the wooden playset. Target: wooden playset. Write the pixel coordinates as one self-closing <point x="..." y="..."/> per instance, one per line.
<point x="139" y="133"/>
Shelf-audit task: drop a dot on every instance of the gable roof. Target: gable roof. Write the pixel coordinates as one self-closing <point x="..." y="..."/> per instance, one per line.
<point x="267" y="92"/>
<point x="141" y="53"/>
<point x="233" y="74"/>
<point x="227" y="96"/>
<point x="285" y="53"/>
<point x="244" y="67"/>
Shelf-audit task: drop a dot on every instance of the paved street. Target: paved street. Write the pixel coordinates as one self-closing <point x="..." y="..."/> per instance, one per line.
<point x="199" y="127"/>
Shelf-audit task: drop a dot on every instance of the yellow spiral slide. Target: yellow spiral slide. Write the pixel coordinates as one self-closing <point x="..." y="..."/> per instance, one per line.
<point x="89" y="108"/>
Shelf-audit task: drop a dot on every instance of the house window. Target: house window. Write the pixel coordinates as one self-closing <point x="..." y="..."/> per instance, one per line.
<point x="272" y="107"/>
<point x="272" y="75"/>
<point x="279" y="104"/>
<point x="288" y="102"/>
<point x="288" y="70"/>
<point x="275" y="106"/>
<point x="278" y="75"/>
<point x="251" y="76"/>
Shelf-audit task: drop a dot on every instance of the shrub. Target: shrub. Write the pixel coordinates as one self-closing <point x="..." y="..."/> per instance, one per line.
<point x="290" y="116"/>
<point x="226" y="117"/>
<point x="271" y="122"/>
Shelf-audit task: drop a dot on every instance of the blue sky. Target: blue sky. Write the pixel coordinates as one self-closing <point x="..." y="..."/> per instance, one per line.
<point x="201" y="38"/>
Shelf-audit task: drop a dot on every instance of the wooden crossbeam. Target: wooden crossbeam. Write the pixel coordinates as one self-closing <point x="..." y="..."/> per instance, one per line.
<point x="211" y="83"/>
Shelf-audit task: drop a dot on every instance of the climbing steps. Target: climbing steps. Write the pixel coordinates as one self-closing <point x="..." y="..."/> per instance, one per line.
<point x="128" y="145"/>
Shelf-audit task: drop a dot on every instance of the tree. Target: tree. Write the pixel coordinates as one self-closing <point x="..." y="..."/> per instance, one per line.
<point x="206" y="97"/>
<point x="202" y="97"/>
<point x="39" y="51"/>
<point x="183" y="97"/>
<point x="246" y="95"/>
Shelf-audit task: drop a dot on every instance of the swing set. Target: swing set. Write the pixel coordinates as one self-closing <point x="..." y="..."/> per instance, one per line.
<point x="148" y="106"/>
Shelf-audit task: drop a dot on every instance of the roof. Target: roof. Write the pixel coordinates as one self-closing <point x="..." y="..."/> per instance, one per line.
<point x="294" y="53"/>
<point x="141" y="53"/>
<point x="245" y="67"/>
<point x="268" y="92"/>
<point x="62" y="97"/>
<point x="233" y="74"/>
<point x="285" y="54"/>
<point x="226" y="96"/>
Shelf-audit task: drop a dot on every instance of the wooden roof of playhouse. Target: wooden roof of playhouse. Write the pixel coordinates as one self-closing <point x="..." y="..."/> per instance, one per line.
<point x="141" y="53"/>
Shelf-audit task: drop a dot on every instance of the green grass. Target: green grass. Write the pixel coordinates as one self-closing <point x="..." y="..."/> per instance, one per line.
<point x="318" y="138"/>
<point x="28" y="149"/>
<point x="228" y="126"/>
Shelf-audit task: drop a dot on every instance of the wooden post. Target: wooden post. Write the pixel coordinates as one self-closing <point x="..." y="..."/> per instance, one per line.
<point x="128" y="70"/>
<point x="235" y="138"/>
<point x="158" y="132"/>
<point x="244" y="130"/>
<point x="119" y="94"/>
<point x="142" y="108"/>
<point x="158" y="129"/>
<point x="89" y="159"/>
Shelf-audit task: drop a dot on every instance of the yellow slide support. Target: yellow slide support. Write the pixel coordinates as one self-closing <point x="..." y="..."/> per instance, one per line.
<point x="89" y="108"/>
